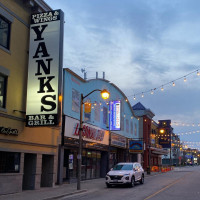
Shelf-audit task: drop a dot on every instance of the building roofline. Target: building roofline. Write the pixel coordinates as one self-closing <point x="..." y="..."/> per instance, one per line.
<point x="85" y="81"/>
<point x="43" y="5"/>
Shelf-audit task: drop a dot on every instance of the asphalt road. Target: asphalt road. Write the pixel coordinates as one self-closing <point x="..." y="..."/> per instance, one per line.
<point x="181" y="184"/>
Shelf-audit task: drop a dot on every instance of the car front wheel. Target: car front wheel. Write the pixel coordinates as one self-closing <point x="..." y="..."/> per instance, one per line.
<point x="108" y="185"/>
<point x="142" y="180"/>
<point x="132" y="181"/>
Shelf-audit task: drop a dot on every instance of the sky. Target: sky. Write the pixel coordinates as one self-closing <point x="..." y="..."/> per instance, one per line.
<point x="140" y="45"/>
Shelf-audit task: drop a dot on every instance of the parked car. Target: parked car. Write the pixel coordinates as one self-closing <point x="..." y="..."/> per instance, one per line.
<point x="125" y="173"/>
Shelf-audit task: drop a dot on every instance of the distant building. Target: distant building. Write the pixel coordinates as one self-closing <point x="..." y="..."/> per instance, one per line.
<point x="148" y="129"/>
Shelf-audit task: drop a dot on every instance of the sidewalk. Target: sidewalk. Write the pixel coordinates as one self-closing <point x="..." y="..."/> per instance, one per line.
<point x="59" y="191"/>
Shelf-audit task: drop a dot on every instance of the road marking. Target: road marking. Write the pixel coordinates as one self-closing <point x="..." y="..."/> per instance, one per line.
<point x="161" y="190"/>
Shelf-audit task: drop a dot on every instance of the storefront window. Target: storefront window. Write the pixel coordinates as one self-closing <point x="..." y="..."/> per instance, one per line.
<point x="9" y="162"/>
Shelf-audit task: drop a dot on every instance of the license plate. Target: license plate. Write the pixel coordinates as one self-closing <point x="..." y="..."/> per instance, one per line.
<point x="115" y="180"/>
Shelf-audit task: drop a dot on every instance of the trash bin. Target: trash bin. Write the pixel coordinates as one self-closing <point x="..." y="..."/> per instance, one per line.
<point x="148" y="170"/>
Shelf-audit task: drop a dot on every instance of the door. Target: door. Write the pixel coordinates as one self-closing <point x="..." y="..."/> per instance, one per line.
<point x="29" y="171"/>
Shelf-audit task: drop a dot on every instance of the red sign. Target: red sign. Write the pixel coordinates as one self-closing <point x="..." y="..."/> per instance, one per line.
<point x="90" y="133"/>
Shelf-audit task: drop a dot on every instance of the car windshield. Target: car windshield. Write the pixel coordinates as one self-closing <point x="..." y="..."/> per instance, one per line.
<point x="123" y="167"/>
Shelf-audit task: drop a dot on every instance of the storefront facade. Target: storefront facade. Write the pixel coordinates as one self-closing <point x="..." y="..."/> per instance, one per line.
<point x="94" y="153"/>
<point x="102" y="147"/>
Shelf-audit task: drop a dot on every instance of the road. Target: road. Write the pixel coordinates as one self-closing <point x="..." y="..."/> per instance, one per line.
<point x="181" y="184"/>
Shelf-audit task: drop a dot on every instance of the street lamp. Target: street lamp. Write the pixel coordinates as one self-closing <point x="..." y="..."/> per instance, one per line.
<point x="105" y="95"/>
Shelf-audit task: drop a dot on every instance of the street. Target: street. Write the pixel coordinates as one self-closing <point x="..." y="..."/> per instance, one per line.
<point x="182" y="183"/>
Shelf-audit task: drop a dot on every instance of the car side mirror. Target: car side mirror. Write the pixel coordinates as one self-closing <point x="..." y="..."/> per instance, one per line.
<point x="111" y="169"/>
<point x="134" y="169"/>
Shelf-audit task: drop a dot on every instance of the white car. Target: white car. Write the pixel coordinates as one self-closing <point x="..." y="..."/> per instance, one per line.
<point x="125" y="173"/>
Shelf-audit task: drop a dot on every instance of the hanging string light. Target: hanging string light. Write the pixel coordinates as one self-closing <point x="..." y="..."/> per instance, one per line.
<point x="162" y="88"/>
<point x="184" y="124"/>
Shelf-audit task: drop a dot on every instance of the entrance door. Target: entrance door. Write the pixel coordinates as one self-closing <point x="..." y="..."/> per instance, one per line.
<point x="29" y="171"/>
<point x="70" y="165"/>
<point x="47" y="171"/>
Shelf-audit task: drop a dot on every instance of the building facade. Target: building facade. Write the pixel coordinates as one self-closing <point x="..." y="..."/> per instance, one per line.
<point x="102" y="147"/>
<point x="148" y="129"/>
<point x="28" y="156"/>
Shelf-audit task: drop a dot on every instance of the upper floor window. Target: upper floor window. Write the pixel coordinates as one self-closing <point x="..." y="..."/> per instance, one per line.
<point x="4" y="32"/>
<point x="3" y="83"/>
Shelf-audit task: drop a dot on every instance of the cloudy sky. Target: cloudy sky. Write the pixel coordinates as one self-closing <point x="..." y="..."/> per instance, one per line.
<point x="140" y="45"/>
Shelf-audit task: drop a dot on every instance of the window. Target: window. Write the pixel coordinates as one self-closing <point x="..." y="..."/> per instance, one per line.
<point x="127" y="125"/>
<point x="132" y="128"/>
<point x="9" y="162"/>
<point x="3" y="83"/>
<point x="75" y="100"/>
<point x="105" y="115"/>
<point x="4" y="32"/>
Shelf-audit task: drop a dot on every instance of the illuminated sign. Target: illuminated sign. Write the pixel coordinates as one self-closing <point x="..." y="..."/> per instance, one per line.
<point x="135" y="146"/>
<point x="114" y="117"/>
<point x="90" y="133"/>
<point x="44" y="68"/>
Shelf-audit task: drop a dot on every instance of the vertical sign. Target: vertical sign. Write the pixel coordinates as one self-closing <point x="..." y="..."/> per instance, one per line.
<point x="114" y="117"/>
<point x="45" y="68"/>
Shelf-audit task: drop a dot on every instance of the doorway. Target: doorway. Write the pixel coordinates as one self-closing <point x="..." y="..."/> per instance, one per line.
<point x="29" y="171"/>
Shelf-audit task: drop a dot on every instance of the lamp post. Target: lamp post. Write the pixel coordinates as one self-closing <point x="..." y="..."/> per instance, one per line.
<point x="105" y="95"/>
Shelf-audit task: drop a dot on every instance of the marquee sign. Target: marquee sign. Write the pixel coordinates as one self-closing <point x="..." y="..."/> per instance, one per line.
<point x="114" y="116"/>
<point x="45" y="68"/>
<point x="90" y="132"/>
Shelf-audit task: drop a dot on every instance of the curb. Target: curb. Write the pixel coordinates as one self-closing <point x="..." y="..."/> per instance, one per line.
<point x="66" y="194"/>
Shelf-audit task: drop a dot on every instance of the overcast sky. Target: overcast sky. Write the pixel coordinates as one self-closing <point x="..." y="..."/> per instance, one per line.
<point x="140" y="45"/>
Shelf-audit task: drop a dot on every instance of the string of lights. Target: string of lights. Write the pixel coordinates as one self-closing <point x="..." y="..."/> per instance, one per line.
<point x="188" y="142"/>
<point x="184" y="124"/>
<point x="180" y="134"/>
<point x="161" y="87"/>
